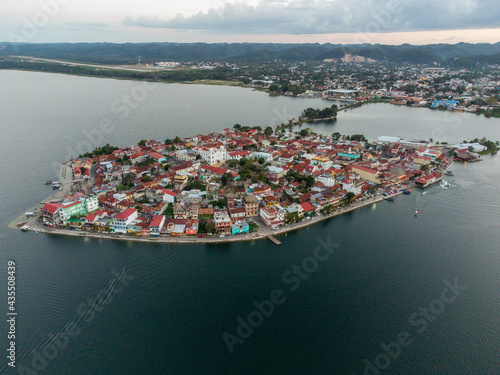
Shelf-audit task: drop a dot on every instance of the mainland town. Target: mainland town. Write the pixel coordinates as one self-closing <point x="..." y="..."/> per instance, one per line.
<point x="244" y="183"/>
<point x="351" y="78"/>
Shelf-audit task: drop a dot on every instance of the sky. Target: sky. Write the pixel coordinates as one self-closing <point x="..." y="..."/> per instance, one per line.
<point x="277" y="21"/>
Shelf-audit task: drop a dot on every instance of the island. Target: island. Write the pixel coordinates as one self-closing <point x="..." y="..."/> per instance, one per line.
<point x="242" y="184"/>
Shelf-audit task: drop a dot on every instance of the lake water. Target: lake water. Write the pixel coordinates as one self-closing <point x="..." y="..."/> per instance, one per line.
<point x="171" y="317"/>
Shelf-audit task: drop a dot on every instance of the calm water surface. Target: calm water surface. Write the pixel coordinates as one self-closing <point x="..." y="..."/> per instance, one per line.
<point x="170" y="319"/>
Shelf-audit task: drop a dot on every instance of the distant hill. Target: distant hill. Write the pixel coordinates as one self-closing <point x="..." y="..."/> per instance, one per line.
<point x="130" y="53"/>
<point x="474" y="61"/>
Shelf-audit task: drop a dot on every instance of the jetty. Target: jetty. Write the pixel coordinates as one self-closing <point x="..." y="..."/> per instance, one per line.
<point x="274" y="239"/>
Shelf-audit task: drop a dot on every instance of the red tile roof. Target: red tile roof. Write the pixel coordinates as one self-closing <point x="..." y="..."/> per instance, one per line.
<point x="125" y="214"/>
<point x="307" y="207"/>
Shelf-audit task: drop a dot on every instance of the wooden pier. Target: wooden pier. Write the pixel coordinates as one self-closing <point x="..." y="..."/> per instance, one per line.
<point x="273" y="239"/>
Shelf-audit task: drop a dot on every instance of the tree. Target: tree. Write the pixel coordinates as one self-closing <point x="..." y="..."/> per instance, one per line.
<point x="336" y="136"/>
<point x="82" y="170"/>
<point x="237" y="127"/>
<point x="268" y="131"/>
<point x="232" y="163"/>
<point x="245" y="80"/>
<point x="177" y="140"/>
<point x="304" y="132"/>
<point x="146" y="178"/>
<point x="142" y="142"/>
<point x="273" y="87"/>
<point x="358" y="138"/>
<point x="309" y="181"/>
<point x="261" y="161"/>
<point x="226" y="177"/>
<point x="209" y="227"/>
<point x="349" y="196"/>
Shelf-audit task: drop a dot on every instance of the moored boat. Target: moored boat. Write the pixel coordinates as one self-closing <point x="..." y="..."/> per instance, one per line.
<point x="25" y="228"/>
<point x="416" y="213"/>
<point x="406" y="191"/>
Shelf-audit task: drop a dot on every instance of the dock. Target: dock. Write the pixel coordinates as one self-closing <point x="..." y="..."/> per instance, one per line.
<point x="273" y="239"/>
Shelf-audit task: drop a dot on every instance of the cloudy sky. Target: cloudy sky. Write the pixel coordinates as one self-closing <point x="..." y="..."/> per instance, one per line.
<point x="288" y="21"/>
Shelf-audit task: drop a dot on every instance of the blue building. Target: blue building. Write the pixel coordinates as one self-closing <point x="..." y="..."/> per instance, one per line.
<point x="436" y="104"/>
<point x="241" y="227"/>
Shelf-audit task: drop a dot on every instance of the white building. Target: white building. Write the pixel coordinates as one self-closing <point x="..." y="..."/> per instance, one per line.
<point x="120" y="196"/>
<point x="237" y="155"/>
<point x="327" y="180"/>
<point x="123" y="219"/>
<point x="91" y="202"/>
<point x="156" y="225"/>
<point x="213" y="155"/>
<point x="475" y="146"/>
<point x="267" y="157"/>
<point x="272" y="216"/>
<point x="185" y="155"/>
<point x="351" y="187"/>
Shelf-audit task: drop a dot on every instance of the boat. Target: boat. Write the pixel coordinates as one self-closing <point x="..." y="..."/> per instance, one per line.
<point x="48" y="182"/>
<point x="390" y="199"/>
<point x="25" y="228"/>
<point x="406" y="191"/>
<point x="21" y="223"/>
<point x="444" y="184"/>
<point x="449" y="173"/>
<point x="416" y="213"/>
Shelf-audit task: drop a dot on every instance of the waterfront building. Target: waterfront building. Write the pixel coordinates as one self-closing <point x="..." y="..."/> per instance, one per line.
<point x="240" y="227"/>
<point x="222" y="222"/>
<point x="123" y="219"/>
<point x="70" y="209"/>
<point x="156" y="225"/>
<point x="273" y="216"/>
<point x="365" y="173"/>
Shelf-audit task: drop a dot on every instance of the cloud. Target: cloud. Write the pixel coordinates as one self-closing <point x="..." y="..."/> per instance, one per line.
<point x="333" y="16"/>
<point x="84" y="26"/>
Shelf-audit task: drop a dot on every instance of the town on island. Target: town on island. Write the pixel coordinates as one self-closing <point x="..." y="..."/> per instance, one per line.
<point x="245" y="183"/>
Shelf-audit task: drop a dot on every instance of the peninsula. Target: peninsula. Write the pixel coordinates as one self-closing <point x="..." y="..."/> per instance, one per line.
<point x="241" y="184"/>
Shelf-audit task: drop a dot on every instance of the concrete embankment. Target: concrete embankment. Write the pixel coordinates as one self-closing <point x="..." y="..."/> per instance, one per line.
<point x="263" y="232"/>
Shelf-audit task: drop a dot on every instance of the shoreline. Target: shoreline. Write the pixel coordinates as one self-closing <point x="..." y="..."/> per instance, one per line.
<point x="354" y="105"/>
<point x="236" y="238"/>
<point x="263" y="232"/>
